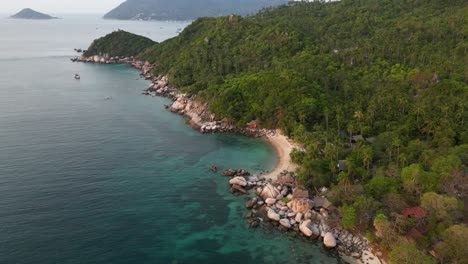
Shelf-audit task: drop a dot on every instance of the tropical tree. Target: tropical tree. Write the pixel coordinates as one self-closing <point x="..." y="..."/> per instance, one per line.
<point x="408" y="253"/>
<point x="453" y="247"/>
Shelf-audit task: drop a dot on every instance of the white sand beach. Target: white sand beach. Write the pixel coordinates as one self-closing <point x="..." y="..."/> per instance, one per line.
<point x="283" y="146"/>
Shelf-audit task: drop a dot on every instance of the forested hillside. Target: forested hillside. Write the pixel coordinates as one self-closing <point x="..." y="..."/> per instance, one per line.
<point x="378" y="87"/>
<point x="376" y="90"/>
<point x="186" y="9"/>
<point x="119" y="43"/>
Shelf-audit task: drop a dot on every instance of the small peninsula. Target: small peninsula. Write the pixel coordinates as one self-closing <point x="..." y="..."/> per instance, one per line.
<point x="28" y="13"/>
<point x="119" y="43"/>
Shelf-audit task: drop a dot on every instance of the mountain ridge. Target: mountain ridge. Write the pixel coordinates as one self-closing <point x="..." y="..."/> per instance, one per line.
<point x="186" y="9"/>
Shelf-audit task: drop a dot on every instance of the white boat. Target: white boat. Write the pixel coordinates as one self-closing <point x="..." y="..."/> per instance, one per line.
<point x="77" y="76"/>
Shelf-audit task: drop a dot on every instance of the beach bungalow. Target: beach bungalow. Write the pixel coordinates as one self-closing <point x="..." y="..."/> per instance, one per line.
<point x="252" y="124"/>
<point x="414" y="212"/>
<point x="300" y="194"/>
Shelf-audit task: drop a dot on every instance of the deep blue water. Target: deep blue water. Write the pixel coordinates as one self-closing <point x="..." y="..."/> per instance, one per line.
<point x="88" y="180"/>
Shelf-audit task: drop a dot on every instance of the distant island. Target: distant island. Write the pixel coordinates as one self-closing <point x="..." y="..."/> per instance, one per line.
<point x="28" y="13"/>
<point x="186" y="9"/>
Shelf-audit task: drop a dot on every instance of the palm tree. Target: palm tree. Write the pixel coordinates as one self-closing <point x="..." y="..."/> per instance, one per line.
<point x="366" y="155"/>
<point x="345" y="180"/>
<point x="396" y="143"/>
<point x="330" y="151"/>
<point x="350" y="129"/>
<point x="358" y="115"/>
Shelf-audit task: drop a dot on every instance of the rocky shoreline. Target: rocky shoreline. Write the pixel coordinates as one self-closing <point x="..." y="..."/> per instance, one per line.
<point x="197" y="114"/>
<point x="278" y="203"/>
<point x="287" y="207"/>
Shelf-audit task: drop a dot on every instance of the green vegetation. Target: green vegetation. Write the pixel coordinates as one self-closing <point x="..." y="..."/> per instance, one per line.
<point x="349" y="216"/>
<point x="449" y="247"/>
<point x="407" y="253"/>
<point x="186" y="9"/>
<point x="378" y="87"/>
<point x="119" y="43"/>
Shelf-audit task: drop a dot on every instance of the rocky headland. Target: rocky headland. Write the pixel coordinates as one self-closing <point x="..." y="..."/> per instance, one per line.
<point x="196" y="112"/>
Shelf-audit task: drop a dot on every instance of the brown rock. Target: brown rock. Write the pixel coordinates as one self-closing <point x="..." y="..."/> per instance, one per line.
<point x="238" y="188"/>
<point x="300" y="193"/>
<point x="286" y="180"/>
<point x="269" y="191"/>
<point x="213" y="168"/>
<point x="300" y="205"/>
<point x="321" y="202"/>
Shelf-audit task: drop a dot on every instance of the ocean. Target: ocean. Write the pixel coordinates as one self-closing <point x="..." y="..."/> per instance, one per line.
<point x="89" y="180"/>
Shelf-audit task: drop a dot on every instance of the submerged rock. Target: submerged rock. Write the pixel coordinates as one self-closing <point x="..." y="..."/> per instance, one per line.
<point x="237" y="188"/>
<point x="213" y="168"/>
<point x="250" y="203"/>
<point x="229" y="172"/>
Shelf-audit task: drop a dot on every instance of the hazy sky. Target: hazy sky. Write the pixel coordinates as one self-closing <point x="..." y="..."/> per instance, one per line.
<point x="59" y="6"/>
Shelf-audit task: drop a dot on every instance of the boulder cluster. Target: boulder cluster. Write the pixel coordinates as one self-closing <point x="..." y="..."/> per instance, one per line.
<point x="104" y="59"/>
<point x="159" y="86"/>
<point x="289" y="208"/>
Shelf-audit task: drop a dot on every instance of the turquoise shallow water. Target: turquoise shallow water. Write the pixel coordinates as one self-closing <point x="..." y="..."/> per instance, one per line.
<point x="88" y="180"/>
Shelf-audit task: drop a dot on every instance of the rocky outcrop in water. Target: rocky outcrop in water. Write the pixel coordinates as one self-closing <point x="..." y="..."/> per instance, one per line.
<point x="106" y="59"/>
<point x="275" y="205"/>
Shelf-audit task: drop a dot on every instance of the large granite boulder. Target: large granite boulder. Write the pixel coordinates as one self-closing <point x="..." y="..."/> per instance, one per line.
<point x="300" y="205"/>
<point x="270" y="201"/>
<point x="298" y="217"/>
<point x="285" y="222"/>
<point x="304" y="228"/>
<point x="269" y="191"/>
<point x="273" y="215"/>
<point x="329" y="240"/>
<point x="239" y="181"/>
